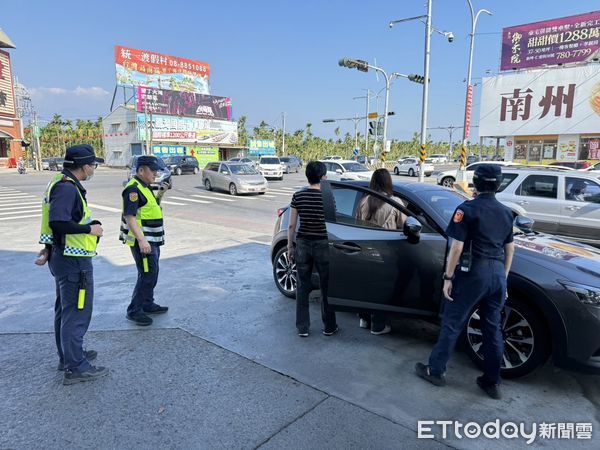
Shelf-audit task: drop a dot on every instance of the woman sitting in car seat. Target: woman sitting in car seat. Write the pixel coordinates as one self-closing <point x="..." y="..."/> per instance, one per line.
<point x="377" y="212"/>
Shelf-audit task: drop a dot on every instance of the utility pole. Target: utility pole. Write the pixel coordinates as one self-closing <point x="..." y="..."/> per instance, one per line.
<point x="283" y="134"/>
<point x="146" y="134"/>
<point x="425" y="92"/>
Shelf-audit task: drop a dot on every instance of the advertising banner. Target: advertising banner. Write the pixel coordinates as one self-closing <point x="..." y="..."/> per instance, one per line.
<point x="594" y="149"/>
<point x="7" y="98"/>
<point x="177" y="103"/>
<point x="204" y="155"/>
<point x="144" y="68"/>
<point x="188" y="130"/>
<point x="162" y="151"/>
<point x="553" y="101"/>
<point x="261" y="147"/>
<point x="557" y="41"/>
<point x="568" y="145"/>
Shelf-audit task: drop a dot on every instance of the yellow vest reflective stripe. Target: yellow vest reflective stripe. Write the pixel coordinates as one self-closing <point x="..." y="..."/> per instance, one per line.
<point x="79" y="245"/>
<point x="149" y="218"/>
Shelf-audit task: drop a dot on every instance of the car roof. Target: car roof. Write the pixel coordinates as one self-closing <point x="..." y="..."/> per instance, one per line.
<point x="552" y="171"/>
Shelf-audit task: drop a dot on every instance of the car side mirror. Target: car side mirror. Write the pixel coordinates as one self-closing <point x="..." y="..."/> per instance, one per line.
<point x="224" y="172"/>
<point x="338" y="171"/>
<point x="525" y="224"/>
<point x="412" y="230"/>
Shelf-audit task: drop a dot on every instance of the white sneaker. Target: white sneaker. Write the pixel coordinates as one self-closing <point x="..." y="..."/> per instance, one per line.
<point x="385" y="330"/>
<point x="363" y="323"/>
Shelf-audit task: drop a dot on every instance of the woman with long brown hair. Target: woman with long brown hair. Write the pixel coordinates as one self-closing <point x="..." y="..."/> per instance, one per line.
<point x="377" y="212"/>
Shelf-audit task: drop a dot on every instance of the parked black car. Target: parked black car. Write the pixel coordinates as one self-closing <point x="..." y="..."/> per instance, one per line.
<point x="182" y="164"/>
<point x="554" y="285"/>
<point x="163" y="174"/>
<point x="56" y="164"/>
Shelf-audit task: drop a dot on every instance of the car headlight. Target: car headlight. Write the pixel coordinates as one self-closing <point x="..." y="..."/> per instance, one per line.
<point x="588" y="295"/>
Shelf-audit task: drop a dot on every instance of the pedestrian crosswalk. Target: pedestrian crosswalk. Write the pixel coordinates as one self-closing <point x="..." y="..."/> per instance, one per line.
<point x="18" y="205"/>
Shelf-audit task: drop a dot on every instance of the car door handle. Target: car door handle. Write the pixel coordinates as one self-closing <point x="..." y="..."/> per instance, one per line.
<point x="523" y="202"/>
<point x="573" y="208"/>
<point x="347" y="247"/>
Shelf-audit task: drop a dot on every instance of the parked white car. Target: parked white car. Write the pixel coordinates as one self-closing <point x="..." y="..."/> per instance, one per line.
<point x="270" y="167"/>
<point x="410" y="167"/>
<point x="333" y="158"/>
<point x="345" y="170"/>
<point x="565" y="203"/>
<point x="448" y="177"/>
<point x="439" y="159"/>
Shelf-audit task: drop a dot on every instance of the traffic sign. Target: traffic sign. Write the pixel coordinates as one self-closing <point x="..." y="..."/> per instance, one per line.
<point x="372" y="115"/>
<point x="356" y="152"/>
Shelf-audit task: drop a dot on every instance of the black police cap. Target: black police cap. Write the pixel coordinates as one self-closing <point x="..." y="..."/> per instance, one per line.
<point x="488" y="173"/>
<point x="80" y="155"/>
<point x="149" y="161"/>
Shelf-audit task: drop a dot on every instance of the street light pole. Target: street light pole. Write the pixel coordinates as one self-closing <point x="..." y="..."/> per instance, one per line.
<point x="425" y="91"/>
<point x="462" y="175"/>
<point x="283" y="135"/>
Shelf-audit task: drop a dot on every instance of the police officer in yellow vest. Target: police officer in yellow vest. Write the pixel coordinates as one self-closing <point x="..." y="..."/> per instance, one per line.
<point x="142" y="230"/>
<point x="71" y="236"/>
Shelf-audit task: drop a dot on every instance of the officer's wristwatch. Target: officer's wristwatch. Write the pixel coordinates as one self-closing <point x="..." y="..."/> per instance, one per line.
<point x="447" y="278"/>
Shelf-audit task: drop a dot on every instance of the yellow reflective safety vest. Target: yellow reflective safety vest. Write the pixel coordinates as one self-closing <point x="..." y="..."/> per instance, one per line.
<point x="79" y="245"/>
<point x="149" y="218"/>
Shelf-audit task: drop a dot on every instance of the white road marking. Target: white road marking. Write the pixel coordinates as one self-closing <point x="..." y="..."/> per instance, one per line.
<point x="213" y="198"/>
<point x="7" y="213"/>
<point x="19" y="204"/>
<point x="190" y="200"/>
<point x="104" y="208"/>
<point x="37" y="205"/>
<point x="166" y="202"/>
<point x="20" y="217"/>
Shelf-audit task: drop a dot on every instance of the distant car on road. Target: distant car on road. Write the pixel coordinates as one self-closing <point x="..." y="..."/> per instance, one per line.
<point x="46" y="163"/>
<point x="270" y="167"/>
<point x="332" y="158"/>
<point x="577" y="165"/>
<point x="234" y="177"/>
<point x="411" y="167"/>
<point x="291" y="163"/>
<point x="180" y="164"/>
<point x="252" y="161"/>
<point x="562" y="202"/>
<point x="448" y="177"/>
<point x="347" y="170"/>
<point x="163" y="174"/>
<point x="363" y="159"/>
<point x="56" y="164"/>
<point x="438" y="158"/>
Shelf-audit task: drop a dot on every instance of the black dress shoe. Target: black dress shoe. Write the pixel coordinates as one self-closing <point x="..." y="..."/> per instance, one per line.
<point x="90" y="355"/>
<point x="140" y="319"/>
<point x="425" y="372"/>
<point x="491" y="389"/>
<point x="156" y="309"/>
<point x="92" y="373"/>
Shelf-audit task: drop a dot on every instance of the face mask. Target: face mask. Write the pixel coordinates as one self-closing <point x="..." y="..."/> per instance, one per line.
<point x="89" y="177"/>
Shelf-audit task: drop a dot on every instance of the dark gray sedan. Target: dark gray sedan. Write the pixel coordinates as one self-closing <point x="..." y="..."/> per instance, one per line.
<point x="292" y="164"/>
<point x="553" y="307"/>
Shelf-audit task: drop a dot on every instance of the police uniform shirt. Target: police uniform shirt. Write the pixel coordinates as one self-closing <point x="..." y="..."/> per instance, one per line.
<point x="484" y="222"/>
<point x="133" y="199"/>
<point x="66" y="207"/>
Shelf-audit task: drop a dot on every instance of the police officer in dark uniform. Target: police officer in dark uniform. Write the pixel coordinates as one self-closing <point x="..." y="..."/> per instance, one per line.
<point x="142" y="230"/>
<point x="478" y="264"/>
<point x="71" y="237"/>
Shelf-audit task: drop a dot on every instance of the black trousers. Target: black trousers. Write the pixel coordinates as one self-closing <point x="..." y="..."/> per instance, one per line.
<point x="310" y="254"/>
<point x="143" y="293"/>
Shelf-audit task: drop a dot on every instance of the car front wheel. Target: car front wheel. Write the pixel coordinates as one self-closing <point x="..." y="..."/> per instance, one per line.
<point x="526" y="339"/>
<point x="178" y="171"/>
<point x="396" y="171"/>
<point x="284" y="273"/>
<point x="196" y="171"/>
<point x="448" y="182"/>
<point x="207" y="185"/>
<point x="233" y="189"/>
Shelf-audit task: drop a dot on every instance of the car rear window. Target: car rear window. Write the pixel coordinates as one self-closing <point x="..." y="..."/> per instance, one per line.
<point x="269" y="160"/>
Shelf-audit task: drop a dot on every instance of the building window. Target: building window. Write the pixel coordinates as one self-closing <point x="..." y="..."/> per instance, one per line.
<point x="534" y="151"/>
<point x="131" y="126"/>
<point x="589" y="147"/>
<point x="114" y="128"/>
<point x="4" y="148"/>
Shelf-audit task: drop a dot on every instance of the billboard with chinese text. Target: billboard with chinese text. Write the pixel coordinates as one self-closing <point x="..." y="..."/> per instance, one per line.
<point x="144" y="68"/>
<point x="556" y="101"/>
<point x="7" y="97"/>
<point x="188" y="130"/>
<point x="261" y="147"/>
<point x="557" y="41"/>
<point x="176" y="103"/>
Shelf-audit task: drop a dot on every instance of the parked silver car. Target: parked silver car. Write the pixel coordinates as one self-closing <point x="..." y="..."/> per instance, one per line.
<point x="292" y="164"/>
<point x="233" y="177"/>
<point x="561" y="202"/>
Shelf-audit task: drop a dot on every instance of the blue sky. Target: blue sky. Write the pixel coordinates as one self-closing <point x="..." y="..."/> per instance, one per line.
<point x="268" y="56"/>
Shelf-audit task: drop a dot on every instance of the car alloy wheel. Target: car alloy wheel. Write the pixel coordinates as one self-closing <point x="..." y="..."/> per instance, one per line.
<point x="207" y="185"/>
<point x="178" y="171"/>
<point x="411" y="173"/>
<point x="526" y="343"/>
<point x="284" y="272"/>
<point x="396" y="171"/>
<point x="195" y="170"/>
<point x="233" y="189"/>
<point x="448" y="182"/>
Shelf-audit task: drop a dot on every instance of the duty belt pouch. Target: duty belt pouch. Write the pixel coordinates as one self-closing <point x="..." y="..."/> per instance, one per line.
<point x="82" y="287"/>
<point x="466" y="257"/>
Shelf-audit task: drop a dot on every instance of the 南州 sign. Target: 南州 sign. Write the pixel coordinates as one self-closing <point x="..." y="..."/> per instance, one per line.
<point x="144" y="68"/>
<point x="188" y="130"/>
<point x="554" y="101"/>
<point x="191" y="104"/>
<point x="557" y="41"/>
<point x="7" y="98"/>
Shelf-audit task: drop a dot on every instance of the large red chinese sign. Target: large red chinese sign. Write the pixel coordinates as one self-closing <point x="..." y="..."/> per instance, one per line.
<point x="144" y="68"/>
<point x="558" y="41"/>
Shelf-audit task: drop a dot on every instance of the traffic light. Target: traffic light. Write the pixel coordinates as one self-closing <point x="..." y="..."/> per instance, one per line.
<point x="416" y="78"/>
<point x="372" y="125"/>
<point x="25" y="144"/>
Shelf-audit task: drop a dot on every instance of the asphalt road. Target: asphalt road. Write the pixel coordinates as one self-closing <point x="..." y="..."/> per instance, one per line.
<point x="224" y="368"/>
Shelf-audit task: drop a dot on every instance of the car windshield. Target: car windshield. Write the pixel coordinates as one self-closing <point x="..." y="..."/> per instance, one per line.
<point x="354" y="167"/>
<point x="172" y="159"/>
<point x="285" y="159"/>
<point x="242" y="169"/>
<point x="269" y="161"/>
